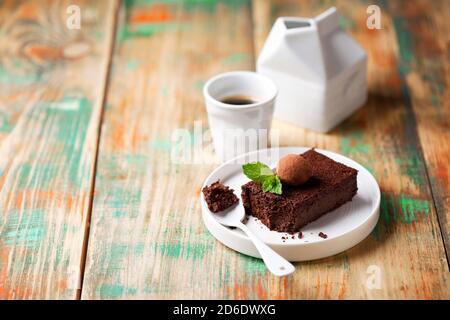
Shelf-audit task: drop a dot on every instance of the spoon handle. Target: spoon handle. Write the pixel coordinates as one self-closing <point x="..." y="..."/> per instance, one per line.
<point x="276" y="264"/>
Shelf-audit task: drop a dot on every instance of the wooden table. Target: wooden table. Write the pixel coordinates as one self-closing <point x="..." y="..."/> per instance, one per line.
<point x="93" y="208"/>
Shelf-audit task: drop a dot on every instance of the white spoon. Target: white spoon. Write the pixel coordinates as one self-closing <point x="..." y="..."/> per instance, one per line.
<point x="276" y="264"/>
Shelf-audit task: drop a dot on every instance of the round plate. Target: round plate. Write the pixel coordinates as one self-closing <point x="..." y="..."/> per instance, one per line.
<point x="345" y="227"/>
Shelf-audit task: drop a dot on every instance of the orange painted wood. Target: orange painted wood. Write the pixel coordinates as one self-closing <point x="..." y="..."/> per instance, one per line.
<point x="426" y="80"/>
<point x="407" y="244"/>
<point x="146" y="237"/>
<point x="52" y="81"/>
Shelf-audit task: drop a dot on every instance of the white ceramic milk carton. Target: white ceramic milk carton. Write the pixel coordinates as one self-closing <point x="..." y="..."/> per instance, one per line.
<point x="320" y="71"/>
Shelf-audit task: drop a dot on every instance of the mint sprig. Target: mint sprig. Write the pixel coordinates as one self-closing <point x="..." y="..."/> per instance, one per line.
<point x="272" y="184"/>
<point x="259" y="172"/>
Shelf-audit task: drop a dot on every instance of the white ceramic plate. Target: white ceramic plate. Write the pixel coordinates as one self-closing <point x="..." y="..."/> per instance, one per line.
<point x="345" y="226"/>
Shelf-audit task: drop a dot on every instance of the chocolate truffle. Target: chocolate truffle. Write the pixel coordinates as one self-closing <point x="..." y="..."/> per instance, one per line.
<point x="219" y="197"/>
<point x="293" y="170"/>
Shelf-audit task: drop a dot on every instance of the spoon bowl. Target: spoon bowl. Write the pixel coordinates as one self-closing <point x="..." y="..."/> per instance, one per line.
<point x="233" y="217"/>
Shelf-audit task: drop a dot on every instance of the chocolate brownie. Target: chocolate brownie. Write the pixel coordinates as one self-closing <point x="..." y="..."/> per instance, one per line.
<point x="331" y="185"/>
<point x="219" y="197"/>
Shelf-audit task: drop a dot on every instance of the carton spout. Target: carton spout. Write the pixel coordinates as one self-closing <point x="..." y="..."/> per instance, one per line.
<point x="327" y="21"/>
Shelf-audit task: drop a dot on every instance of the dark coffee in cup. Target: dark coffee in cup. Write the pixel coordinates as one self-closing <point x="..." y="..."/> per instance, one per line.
<point x="238" y="100"/>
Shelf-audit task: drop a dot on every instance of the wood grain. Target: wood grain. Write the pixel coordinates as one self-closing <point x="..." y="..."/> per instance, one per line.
<point x="51" y="88"/>
<point x="406" y="244"/>
<point x="424" y="47"/>
<point x="147" y="238"/>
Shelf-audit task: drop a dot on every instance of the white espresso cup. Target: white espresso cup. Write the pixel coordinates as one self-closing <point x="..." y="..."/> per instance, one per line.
<point x="239" y="128"/>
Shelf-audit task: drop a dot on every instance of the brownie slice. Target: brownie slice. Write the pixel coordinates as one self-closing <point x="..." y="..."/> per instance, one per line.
<point x="219" y="197"/>
<point x="332" y="184"/>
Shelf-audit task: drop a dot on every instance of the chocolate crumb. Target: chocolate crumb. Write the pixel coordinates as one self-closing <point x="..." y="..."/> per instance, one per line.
<point x="219" y="197"/>
<point x="323" y="235"/>
<point x="300" y="235"/>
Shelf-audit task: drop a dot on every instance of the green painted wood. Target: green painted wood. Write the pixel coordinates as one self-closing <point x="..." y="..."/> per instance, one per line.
<point x="147" y="239"/>
<point x="424" y="51"/>
<point x="51" y="88"/>
<point x="385" y="137"/>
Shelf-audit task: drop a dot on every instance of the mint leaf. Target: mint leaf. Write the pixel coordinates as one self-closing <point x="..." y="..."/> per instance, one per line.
<point x="261" y="173"/>
<point x="272" y="184"/>
<point x="257" y="171"/>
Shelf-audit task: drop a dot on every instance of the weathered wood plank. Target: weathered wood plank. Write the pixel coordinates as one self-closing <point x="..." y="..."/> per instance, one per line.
<point x="51" y="88"/>
<point x="147" y="239"/>
<point x="406" y="245"/>
<point x="425" y="69"/>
